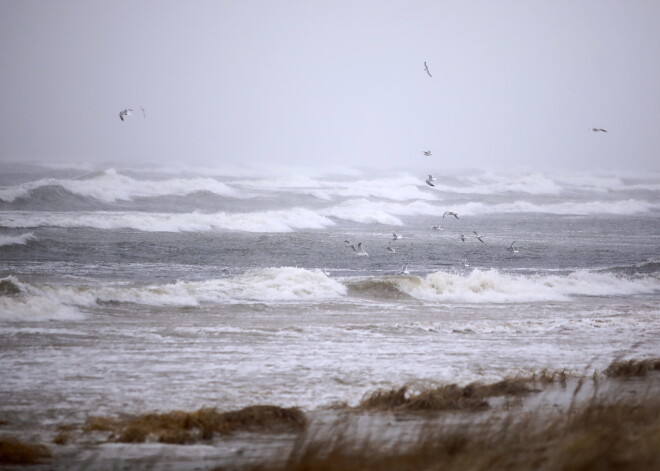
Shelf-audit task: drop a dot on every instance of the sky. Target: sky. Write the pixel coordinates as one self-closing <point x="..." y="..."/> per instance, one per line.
<point x="516" y="85"/>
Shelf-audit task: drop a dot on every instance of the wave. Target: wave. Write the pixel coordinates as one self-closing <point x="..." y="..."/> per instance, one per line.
<point x="493" y="286"/>
<point x="266" y="221"/>
<point x="22" y="239"/>
<point x="23" y="302"/>
<point x="110" y="186"/>
<point x="398" y="188"/>
<point x="285" y="284"/>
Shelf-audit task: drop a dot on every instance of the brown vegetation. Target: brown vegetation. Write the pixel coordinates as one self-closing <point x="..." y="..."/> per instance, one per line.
<point x="447" y="397"/>
<point x="184" y="427"/>
<point x="597" y="436"/>
<point x="632" y="368"/>
<point x="14" y="451"/>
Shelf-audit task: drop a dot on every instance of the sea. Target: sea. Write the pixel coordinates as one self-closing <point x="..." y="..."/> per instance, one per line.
<point x="131" y="290"/>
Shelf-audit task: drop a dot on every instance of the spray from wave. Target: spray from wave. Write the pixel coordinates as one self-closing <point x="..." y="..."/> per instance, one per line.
<point x="493" y="286"/>
<point x="110" y="186"/>
<point x="22" y="239"/>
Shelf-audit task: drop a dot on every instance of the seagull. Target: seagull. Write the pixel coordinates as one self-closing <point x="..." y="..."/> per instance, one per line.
<point x="437" y="228"/>
<point x="126" y="112"/>
<point x="396" y="236"/>
<point x="598" y="130"/>
<point x="226" y="272"/>
<point x="430" y="180"/>
<point x="426" y="67"/>
<point x="427" y="153"/>
<point x="450" y="213"/>
<point x="462" y="237"/>
<point x="359" y="250"/>
<point x="511" y="248"/>
<point x="390" y="248"/>
<point x="347" y="243"/>
<point x="129" y="111"/>
<point x="465" y="262"/>
<point x="477" y="236"/>
<point x="404" y="270"/>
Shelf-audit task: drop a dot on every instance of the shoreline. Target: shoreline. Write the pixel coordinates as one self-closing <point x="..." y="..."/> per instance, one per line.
<point x="372" y="429"/>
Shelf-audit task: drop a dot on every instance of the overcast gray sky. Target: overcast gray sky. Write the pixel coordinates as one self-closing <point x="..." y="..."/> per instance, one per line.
<point x="517" y="84"/>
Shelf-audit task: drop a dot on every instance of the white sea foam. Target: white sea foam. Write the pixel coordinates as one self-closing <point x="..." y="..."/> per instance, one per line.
<point x="266" y="221"/>
<point x="288" y="284"/>
<point x="34" y="305"/>
<point x="110" y="186"/>
<point x="398" y="188"/>
<point x="285" y="284"/>
<point x="493" y="286"/>
<point x="17" y="240"/>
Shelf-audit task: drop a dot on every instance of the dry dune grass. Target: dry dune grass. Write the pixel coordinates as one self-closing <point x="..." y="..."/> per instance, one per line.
<point x="624" y="435"/>
<point x="472" y="397"/>
<point x="181" y="427"/>
<point x="632" y="368"/>
<point x="14" y="451"/>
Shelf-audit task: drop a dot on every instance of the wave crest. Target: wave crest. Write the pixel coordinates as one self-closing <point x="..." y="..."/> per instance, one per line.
<point x="110" y="186"/>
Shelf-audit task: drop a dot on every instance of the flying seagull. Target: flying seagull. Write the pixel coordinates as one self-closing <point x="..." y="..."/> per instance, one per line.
<point x="450" y="213"/>
<point x="125" y="112"/>
<point x="359" y="250"/>
<point x="390" y="248"/>
<point x="462" y="237"/>
<point x="598" y="130"/>
<point x="396" y="236"/>
<point x="426" y="67"/>
<point x="477" y="236"/>
<point x="129" y="111"/>
<point x="437" y="227"/>
<point x="430" y="180"/>
<point x="427" y="153"/>
<point x="511" y="248"/>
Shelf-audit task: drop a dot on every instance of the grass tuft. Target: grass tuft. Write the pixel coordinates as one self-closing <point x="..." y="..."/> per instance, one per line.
<point x="179" y="427"/>
<point x="632" y="368"/>
<point x="14" y="451"/>
<point x="452" y="397"/>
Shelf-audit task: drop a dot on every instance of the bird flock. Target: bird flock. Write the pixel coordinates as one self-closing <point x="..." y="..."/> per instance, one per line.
<point x="430" y="182"/>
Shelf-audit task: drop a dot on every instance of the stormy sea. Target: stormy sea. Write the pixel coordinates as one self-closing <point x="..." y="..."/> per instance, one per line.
<point x="133" y="290"/>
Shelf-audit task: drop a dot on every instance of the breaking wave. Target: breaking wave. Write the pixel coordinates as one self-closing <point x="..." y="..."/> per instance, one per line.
<point x="266" y="221"/>
<point x="110" y="186"/>
<point x="24" y="301"/>
<point x="493" y="286"/>
<point x="22" y="239"/>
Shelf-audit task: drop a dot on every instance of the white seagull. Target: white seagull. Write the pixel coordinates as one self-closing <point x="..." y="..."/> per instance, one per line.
<point x="437" y="228"/>
<point x="390" y="248"/>
<point x="465" y="262"/>
<point x="450" y="213"/>
<point x="477" y="236"/>
<point x="429" y="181"/>
<point x="128" y="112"/>
<point x="426" y="67"/>
<point x="427" y="153"/>
<point x="511" y="248"/>
<point x="396" y="236"/>
<point x="359" y="250"/>
<point x="404" y="270"/>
